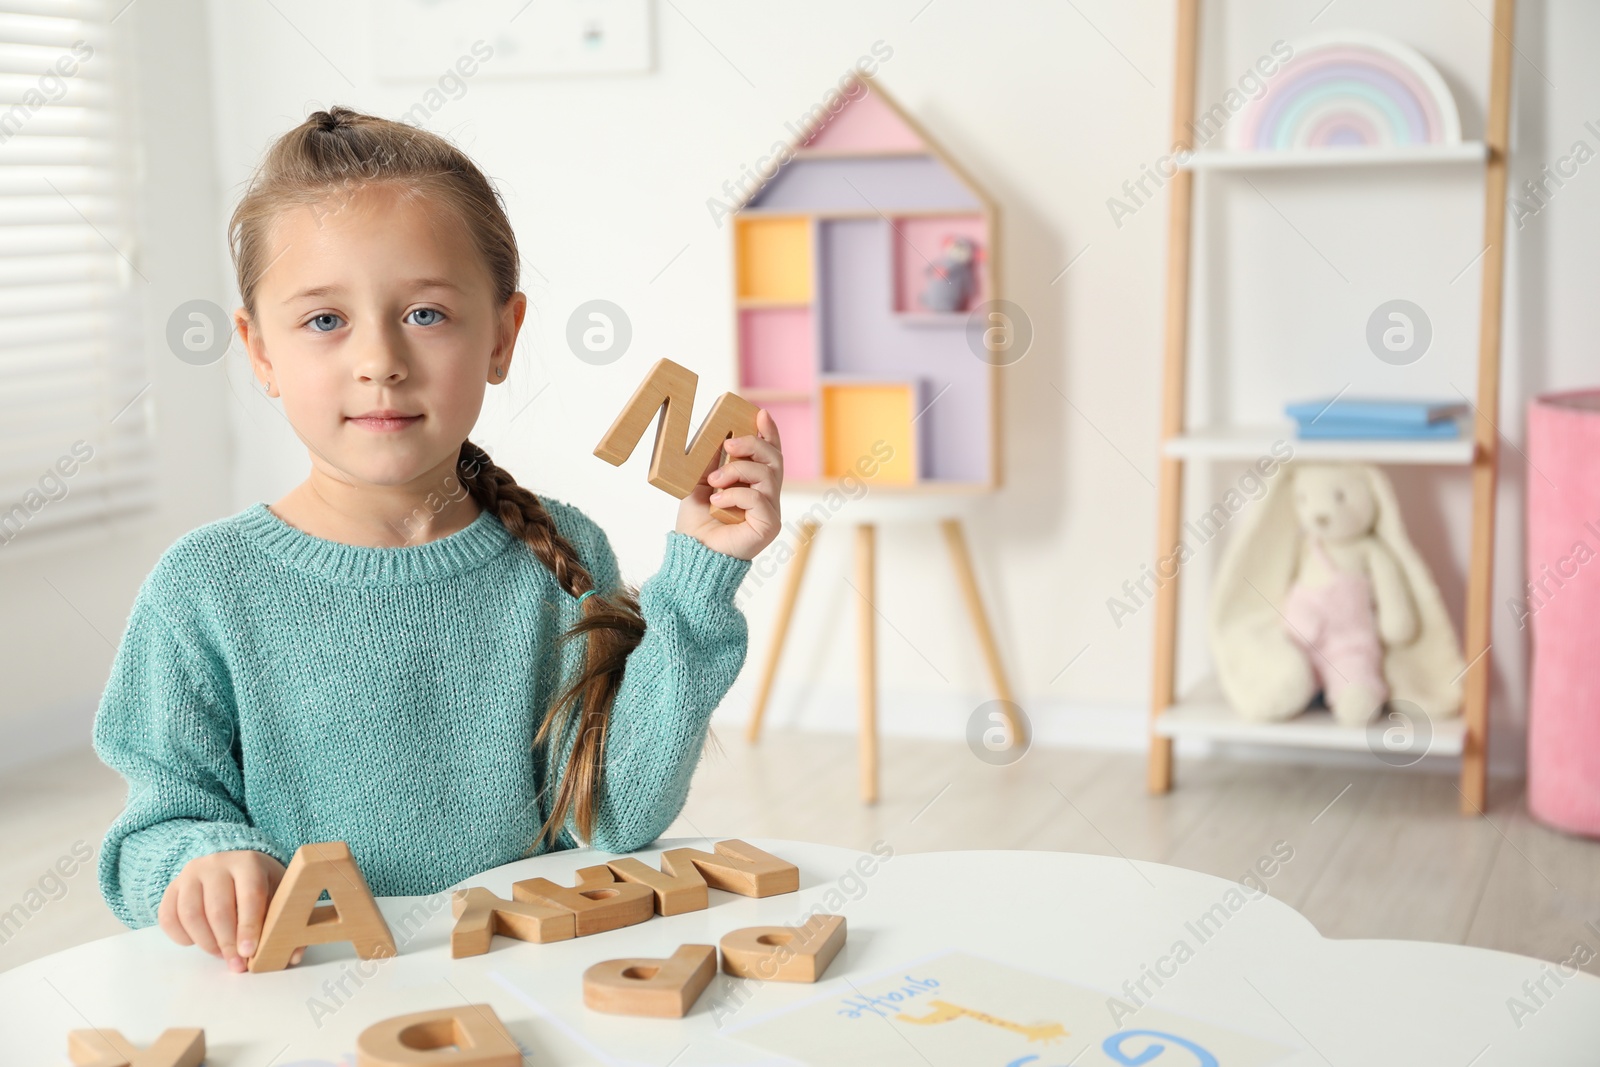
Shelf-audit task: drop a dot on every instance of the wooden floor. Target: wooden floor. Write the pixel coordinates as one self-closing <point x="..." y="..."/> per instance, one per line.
<point x="1376" y="853"/>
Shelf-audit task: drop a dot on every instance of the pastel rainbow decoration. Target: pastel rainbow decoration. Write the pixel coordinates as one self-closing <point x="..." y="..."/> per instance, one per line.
<point x="1349" y="89"/>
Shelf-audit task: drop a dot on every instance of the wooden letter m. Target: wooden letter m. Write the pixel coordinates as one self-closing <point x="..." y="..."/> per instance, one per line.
<point x="673" y="467"/>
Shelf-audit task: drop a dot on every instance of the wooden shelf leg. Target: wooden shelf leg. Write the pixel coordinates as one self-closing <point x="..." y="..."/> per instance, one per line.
<point x="791" y="596"/>
<point x="967" y="578"/>
<point x="1475" y="700"/>
<point x="1158" y="771"/>
<point x="868" y="663"/>
<point x="1477" y="638"/>
<point x="1174" y="366"/>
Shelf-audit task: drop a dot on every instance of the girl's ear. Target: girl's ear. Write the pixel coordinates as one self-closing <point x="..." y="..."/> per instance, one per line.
<point x="254" y="348"/>
<point x="510" y="324"/>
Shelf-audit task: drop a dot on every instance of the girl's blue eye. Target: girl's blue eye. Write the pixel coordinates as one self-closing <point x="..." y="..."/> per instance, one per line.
<point x="327" y="317"/>
<point x="438" y="316"/>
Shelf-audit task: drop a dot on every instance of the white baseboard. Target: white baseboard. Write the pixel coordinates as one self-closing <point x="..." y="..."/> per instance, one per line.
<point x="1055" y="723"/>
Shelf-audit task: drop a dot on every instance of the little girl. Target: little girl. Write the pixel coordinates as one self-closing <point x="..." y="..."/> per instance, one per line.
<point x="409" y="652"/>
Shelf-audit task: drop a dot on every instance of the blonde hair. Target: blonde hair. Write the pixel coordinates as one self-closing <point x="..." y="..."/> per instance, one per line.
<point x="338" y="152"/>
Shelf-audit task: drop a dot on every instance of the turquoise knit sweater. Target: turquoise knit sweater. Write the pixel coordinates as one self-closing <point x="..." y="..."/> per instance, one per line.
<point x="274" y="688"/>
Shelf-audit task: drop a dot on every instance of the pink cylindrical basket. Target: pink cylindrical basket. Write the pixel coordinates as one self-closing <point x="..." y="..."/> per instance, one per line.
<point x="1562" y="610"/>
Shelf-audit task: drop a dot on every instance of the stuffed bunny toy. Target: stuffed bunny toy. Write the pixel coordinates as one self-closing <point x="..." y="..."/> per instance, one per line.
<point x="1320" y="590"/>
<point x="1349" y="598"/>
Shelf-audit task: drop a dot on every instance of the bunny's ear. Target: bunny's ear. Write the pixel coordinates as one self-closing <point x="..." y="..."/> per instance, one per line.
<point x="1260" y="552"/>
<point x="1389" y="527"/>
<point x="1387" y="523"/>
<point x="1427" y="672"/>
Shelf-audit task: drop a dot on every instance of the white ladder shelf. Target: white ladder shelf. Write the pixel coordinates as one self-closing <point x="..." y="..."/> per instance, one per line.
<point x="1204" y="715"/>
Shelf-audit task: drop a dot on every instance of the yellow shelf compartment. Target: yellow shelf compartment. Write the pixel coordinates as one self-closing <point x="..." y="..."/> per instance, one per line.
<point x="857" y="415"/>
<point x="774" y="260"/>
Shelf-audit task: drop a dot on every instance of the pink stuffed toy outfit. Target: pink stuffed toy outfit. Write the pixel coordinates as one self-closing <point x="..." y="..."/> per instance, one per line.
<point x="1337" y="625"/>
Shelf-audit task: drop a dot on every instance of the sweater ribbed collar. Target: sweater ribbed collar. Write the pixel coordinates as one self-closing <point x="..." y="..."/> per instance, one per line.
<point x="469" y="547"/>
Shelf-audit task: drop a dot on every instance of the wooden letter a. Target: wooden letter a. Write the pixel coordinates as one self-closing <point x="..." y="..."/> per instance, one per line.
<point x="671" y="467"/>
<point x="294" y="919"/>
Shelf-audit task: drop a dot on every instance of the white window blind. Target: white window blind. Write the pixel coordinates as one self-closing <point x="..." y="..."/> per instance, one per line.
<point x="75" y="412"/>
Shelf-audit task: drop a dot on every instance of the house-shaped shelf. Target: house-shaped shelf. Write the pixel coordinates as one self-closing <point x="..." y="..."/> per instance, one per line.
<point x="855" y="316"/>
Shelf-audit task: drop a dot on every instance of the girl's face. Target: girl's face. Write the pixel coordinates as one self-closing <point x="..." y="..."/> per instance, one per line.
<point x="377" y="304"/>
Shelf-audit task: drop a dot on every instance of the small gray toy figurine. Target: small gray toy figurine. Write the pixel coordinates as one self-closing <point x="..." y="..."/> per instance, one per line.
<point x="951" y="281"/>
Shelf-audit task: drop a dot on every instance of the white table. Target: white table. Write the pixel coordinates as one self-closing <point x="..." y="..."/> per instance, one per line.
<point x="1089" y="920"/>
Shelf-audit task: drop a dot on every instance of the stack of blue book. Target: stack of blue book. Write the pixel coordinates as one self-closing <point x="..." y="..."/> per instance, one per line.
<point x="1342" y="418"/>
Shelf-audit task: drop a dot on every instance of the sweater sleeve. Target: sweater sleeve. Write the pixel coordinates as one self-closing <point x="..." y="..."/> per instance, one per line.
<point x="165" y="727"/>
<point x="692" y="651"/>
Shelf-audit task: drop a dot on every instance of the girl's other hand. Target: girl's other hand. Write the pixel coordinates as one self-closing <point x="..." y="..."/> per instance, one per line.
<point x="219" y="902"/>
<point x="751" y="480"/>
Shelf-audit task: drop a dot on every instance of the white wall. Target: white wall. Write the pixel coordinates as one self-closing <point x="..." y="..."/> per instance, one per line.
<point x="1052" y="107"/>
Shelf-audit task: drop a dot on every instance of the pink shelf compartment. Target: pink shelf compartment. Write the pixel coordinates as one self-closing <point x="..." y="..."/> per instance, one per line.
<point x="917" y="243"/>
<point x="777" y="348"/>
<point x="797" y="426"/>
